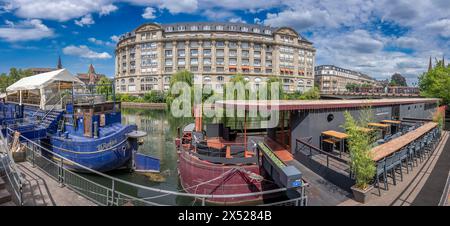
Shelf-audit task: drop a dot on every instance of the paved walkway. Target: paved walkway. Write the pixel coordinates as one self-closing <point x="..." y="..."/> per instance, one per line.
<point x="42" y="190"/>
<point x="435" y="187"/>
<point x="408" y="190"/>
<point x="446" y="197"/>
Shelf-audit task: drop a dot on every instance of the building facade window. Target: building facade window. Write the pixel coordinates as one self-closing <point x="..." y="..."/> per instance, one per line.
<point x="206" y="50"/>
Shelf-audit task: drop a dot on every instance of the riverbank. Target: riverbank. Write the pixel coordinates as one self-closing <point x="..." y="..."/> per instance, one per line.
<point x="150" y="106"/>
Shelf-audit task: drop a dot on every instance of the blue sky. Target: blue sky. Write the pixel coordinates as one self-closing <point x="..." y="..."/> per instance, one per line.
<point x="377" y="37"/>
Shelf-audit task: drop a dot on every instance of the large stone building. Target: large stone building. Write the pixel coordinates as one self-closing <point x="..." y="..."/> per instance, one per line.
<point x="330" y="78"/>
<point x="148" y="56"/>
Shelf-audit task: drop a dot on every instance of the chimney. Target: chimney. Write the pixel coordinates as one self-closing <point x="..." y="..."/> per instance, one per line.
<point x="59" y="66"/>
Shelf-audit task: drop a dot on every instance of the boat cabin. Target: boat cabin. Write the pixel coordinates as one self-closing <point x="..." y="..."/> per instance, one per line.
<point x="88" y="119"/>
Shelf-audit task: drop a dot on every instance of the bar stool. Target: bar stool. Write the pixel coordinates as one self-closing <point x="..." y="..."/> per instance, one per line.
<point x="411" y="147"/>
<point x="398" y="164"/>
<point x="417" y="150"/>
<point x="381" y="171"/>
<point x="389" y="168"/>
<point x="404" y="158"/>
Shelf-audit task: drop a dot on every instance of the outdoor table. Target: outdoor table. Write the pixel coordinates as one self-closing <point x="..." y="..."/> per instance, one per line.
<point x="365" y="130"/>
<point x="384" y="127"/>
<point x="337" y="136"/>
<point x="395" y="125"/>
<point x="370" y="131"/>
<point x="386" y="149"/>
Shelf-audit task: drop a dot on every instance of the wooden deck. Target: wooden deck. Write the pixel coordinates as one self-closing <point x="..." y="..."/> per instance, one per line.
<point x="381" y="151"/>
<point x="280" y="151"/>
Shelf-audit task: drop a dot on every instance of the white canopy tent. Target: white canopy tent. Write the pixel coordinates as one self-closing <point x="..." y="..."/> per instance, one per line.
<point x="38" y="83"/>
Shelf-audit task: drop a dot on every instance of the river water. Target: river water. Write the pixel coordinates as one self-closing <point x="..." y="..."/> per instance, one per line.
<point x="161" y="131"/>
<point x="161" y="128"/>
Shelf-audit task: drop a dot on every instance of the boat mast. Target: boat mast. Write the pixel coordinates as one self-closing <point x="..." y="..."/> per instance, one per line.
<point x="198" y="118"/>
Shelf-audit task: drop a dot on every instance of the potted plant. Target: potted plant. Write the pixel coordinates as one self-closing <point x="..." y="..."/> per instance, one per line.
<point x="361" y="163"/>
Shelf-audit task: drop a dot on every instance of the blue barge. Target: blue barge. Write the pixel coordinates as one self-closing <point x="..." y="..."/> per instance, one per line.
<point x="71" y="119"/>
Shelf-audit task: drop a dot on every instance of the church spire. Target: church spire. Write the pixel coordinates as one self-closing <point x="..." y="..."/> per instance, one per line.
<point x="59" y="66"/>
<point x="430" y="67"/>
<point x="92" y="74"/>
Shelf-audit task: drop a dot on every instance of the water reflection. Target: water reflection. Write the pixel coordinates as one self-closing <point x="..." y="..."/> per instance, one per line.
<point x="161" y="130"/>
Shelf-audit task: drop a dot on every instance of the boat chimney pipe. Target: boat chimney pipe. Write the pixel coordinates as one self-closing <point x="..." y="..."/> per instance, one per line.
<point x="95" y="129"/>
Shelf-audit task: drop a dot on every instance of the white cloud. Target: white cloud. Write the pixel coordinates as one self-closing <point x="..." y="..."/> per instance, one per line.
<point x="84" y="52"/>
<point x="107" y="9"/>
<point x="60" y="10"/>
<point x="85" y="21"/>
<point x="115" y="38"/>
<point x="352" y="33"/>
<point x="100" y="42"/>
<point x="407" y="42"/>
<point x="361" y="41"/>
<point x="442" y="27"/>
<point x="179" y="6"/>
<point x="27" y="30"/>
<point x="9" y="23"/>
<point x="218" y="15"/>
<point x="149" y="13"/>
<point x="237" y="20"/>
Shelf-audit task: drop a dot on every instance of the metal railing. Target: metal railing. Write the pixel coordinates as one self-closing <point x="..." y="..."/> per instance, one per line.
<point x="306" y="146"/>
<point x="115" y="191"/>
<point x="11" y="171"/>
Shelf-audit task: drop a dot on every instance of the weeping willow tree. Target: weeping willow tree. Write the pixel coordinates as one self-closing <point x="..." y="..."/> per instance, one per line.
<point x="184" y="76"/>
<point x="360" y="144"/>
<point x="104" y="87"/>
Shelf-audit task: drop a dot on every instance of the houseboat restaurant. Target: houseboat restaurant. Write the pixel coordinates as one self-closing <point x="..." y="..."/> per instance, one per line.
<point x="310" y="135"/>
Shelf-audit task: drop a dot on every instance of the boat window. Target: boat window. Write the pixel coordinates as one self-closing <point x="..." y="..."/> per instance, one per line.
<point x="330" y="117"/>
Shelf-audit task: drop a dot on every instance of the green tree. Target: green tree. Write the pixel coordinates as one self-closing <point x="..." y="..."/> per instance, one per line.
<point x="236" y="79"/>
<point x="398" y="80"/>
<point x="13" y="76"/>
<point x="359" y="144"/>
<point x="180" y="76"/>
<point x="104" y="87"/>
<point x="351" y="86"/>
<point x="269" y="83"/>
<point x="436" y="83"/>
<point x="154" y="97"/>
<point x="311" y="94"/>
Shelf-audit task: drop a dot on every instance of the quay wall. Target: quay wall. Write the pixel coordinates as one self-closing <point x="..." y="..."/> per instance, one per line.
<point x="152" y="106"/>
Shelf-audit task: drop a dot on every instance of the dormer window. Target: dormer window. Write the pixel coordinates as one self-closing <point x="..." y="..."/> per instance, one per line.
<point x="169" y="29"/>
<point x="206" y="28"/>
<point x="244" y="29"/>
<point x="267" y="32"/>
<point x="256" y="30"/>
<point x="194" y="28"/>
<point x="219" y="27"/>
<point x="232" y="28"/>
<point x="181" y="28"/>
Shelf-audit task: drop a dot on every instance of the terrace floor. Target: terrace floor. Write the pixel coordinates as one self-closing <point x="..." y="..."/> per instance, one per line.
<point x="423" y="186"/>
<point x="41" y="190"/>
